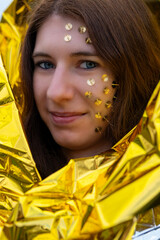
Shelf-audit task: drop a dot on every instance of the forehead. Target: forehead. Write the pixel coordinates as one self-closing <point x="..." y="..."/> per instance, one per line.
<point x="54" y="30"/>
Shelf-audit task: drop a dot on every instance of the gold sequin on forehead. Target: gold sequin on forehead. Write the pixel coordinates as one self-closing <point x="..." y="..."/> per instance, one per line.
<point x="106" y="90"/>
<point x="98" y="102"/>
<point x="98" y="130"/>
<point x="67" y="38"/>
<point x="108" y="104"/>
<point x="82" y="29"/>
<point x="88" y="40"/>
<point x="68" y="26"/>
<point x="91" y="82"/>
<point x="105" y="77"/>
<point x="88" y="94"/>
<point x="98" y="115"/>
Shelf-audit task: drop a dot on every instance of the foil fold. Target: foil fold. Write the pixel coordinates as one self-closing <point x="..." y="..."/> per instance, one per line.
<point x="107" y="196"/>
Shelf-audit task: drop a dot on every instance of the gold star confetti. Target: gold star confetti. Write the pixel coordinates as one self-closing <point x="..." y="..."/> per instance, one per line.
<point x="114" y="98"/>
<point x="91" y="82"/>
<point x="98" y="130"/>
<point x="98" y="115"/>
<point x="106" y="90"/>
<point x="88" y="41"/>
<point x="82" y="29"/>
<point x="105" y="118"/>
<point x="88" y="94"/>
<point x="68" y="26"/>
<point x="108" y="104"/>
<point x="98" y="102"/>
<point x="67" y="38"/>
<point x="114" y="84"/>
<point x="105" y="77"/>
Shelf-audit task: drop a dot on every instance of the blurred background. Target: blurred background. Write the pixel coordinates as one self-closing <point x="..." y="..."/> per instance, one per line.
<point x="3" y="5"/>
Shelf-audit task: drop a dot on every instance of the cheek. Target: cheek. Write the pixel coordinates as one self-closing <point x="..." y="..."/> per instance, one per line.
<point x="101" y="96"/>
<point x="39" y="87"/>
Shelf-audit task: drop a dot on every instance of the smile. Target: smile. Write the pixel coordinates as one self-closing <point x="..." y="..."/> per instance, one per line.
<point x="65" y="117"/>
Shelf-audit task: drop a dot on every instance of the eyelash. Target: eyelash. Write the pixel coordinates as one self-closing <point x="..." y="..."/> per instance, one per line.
<point x="51" y="65"/>
<point x="88" y="61"/>
<point x="38" y="64"/>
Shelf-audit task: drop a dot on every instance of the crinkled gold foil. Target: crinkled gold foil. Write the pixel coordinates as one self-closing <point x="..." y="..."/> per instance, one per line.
<point x="98" y="197"/>
<point x="91" y="198"/>
<point x="12" y="28"/>
<point x="17" y="168"/>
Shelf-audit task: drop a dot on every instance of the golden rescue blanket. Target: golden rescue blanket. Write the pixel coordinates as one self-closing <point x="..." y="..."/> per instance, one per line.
<point x="98" y="197"/>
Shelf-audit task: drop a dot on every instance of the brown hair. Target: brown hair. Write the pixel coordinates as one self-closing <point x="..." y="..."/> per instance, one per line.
<point x="126" y="36"/>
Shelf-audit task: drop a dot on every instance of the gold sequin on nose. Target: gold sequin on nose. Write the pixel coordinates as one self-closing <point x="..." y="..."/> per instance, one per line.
<point x="108" y="104"/>
<point x="98" y="102"/>
<point x="67" y="38"/>
<point x="68" y="26"/>
<point x="88" y="94"/>
<point x="98" y="115"/>
<point x="91" y="82"/>
<point x="82" y="29"/>
<point x="88" y="40"/>
<point x="105" y="77"/>
<point x="106" y="90"/>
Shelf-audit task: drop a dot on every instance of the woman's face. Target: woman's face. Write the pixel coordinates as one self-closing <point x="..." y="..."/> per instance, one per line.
<point x="72" y="86"/>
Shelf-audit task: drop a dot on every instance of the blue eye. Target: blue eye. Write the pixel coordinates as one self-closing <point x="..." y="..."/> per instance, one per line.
<point x="45" y="65"/>
<point x="88" y="65"/>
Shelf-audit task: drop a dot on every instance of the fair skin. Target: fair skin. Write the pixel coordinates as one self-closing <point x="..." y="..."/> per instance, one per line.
<point x="60" y="82"/>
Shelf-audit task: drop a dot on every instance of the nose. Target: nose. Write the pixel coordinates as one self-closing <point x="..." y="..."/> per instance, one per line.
<point x="60" y="87"/>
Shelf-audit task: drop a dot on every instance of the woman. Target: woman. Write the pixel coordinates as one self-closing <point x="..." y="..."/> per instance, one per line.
<point x="123" y="45"/>
<point x="91" y="68"/>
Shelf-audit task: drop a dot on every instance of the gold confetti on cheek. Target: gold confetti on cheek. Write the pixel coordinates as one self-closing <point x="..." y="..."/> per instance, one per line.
<point x="98" y="115"/>
<point x="91" y="82"/>
<point x="114" y="84"/>
<point x="68" y="26"/>
<point x="106" y="90"/>
<point x="108" y="104"/>
<point x="88" y="94"/>
<point x="98" y="102"/>
<point x="105" y="77"/>
<point x="88" y="41"/>
<point x="67" y="38"/>
<point x="82" y="29"/>
<point x="98" y="130"/>
<point x="105" y="118"/>
<point x="114" y="98"/>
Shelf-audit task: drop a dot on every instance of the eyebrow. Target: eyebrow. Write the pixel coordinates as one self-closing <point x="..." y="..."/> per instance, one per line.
<point x="40" y="54"/>
<point x="76" y="54"/>
<point x="83" y="53"/>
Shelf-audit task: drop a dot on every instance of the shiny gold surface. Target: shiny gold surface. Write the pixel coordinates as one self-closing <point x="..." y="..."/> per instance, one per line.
<point x="106" y="90"/>
<point x="82" y="29"/>
<point x="98" y="115"/>
<point x="108" y="104"/>
<point x="105" y="78"/>
<point x="98" y="102"/>
<point x="91" y="82"/>
<point x="67" y="38"/>
<point x="88" y="41"/>
<point x="68" y="26"/>
<point x="97" y="197"/>
<point x="88" y="94"/>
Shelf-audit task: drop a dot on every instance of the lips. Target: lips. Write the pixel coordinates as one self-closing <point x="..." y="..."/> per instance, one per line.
<point x="65" y="117"/>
